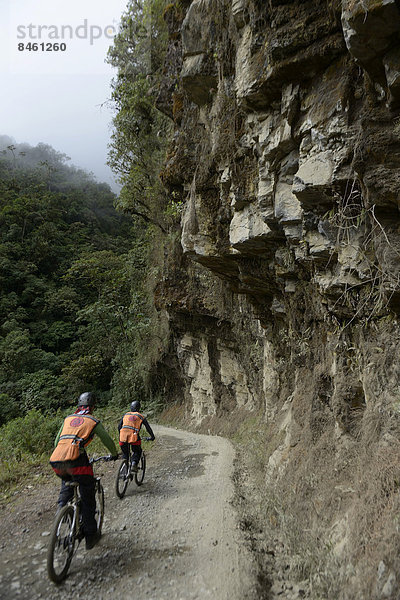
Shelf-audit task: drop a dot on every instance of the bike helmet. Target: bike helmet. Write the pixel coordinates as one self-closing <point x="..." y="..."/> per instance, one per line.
<point x="87" y="399"/>
<point x="135" y="405"/>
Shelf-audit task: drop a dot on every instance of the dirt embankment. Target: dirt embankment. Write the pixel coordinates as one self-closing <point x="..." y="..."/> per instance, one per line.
<point x="176" y="537"/>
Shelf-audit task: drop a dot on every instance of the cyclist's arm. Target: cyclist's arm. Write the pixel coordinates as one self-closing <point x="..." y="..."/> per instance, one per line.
<point x="120" y="424"/>
<point x="58" y="436"/>
<point x="149" y="429"/>
<point x="106" y="439"/>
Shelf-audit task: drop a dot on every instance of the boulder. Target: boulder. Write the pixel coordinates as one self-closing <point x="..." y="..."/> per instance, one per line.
<point x="370" y="28"/>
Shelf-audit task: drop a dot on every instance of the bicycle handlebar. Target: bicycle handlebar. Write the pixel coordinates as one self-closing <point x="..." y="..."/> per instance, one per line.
<point x="104" y="458"/>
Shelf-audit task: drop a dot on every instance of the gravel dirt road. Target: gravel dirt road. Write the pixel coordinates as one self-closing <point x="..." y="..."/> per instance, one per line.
<point x="176" y="537"/>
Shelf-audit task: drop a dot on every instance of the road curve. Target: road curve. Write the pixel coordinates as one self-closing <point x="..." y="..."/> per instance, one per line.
<point x="176" y="537"/>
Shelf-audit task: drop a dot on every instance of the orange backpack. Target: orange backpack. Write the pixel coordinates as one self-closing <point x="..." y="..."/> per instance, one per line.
<point x="131" y="424"/>
<point x="76" y="434"/>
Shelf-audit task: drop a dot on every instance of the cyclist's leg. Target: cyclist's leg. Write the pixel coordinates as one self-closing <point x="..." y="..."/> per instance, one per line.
<point x="136" y="454"/>
<point x="88" y="497"/>
<point x="125" y="450"/>
<point x="66" y="493"/>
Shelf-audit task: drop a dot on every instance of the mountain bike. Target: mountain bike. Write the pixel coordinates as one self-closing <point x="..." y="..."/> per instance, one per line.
<point x="68" y="531"/>
<point x="125" y="474"/>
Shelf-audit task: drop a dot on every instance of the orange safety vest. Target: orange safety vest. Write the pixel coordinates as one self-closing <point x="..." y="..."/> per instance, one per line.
<point x="131" y="424"/>
<point x="76" y="434"/>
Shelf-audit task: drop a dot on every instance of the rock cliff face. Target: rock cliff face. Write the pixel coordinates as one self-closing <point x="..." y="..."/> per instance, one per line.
<point x="283" y="301"/>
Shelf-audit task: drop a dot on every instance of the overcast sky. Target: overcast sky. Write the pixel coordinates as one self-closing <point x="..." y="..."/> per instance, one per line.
<point x="58" y="97"/>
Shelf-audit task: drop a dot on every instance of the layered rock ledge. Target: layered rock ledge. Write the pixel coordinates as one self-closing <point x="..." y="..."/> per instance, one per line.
<point x="283" y="300"/>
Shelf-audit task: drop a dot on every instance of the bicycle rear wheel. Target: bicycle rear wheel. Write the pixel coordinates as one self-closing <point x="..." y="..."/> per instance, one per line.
<point x="99" y="514"/>
<point x="61" y="546"/>
<point x="122" y="480"/>
<point x="139" y="476"/>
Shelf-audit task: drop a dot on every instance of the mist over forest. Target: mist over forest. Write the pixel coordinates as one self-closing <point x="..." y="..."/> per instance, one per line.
<point x="42" y="156"/>
<point x="70" y="265"/>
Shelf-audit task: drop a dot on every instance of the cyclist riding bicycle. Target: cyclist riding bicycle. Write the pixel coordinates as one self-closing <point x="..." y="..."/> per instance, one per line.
<point x="129" y="428"/>
<point x="70" y="461"/>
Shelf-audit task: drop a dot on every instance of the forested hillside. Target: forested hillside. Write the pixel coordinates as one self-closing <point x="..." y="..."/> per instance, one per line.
<point x="80" y="265"/>
<point x="71" y="300"/>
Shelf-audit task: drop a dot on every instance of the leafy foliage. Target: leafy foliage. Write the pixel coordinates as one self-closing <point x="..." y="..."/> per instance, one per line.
<point x="71" y="270"/>
<point x="75" y="305"/>
<point x="23" y="441"/>
<point x="138" y="141"/>
<point x="32" y="434"/>
<point x="137" y="152"/>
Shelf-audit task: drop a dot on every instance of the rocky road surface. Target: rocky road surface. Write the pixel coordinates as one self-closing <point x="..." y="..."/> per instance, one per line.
<point x="175" y="537"/>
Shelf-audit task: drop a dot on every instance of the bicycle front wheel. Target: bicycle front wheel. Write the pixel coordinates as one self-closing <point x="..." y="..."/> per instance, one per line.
<point x="61" y="546"/>
<point x="99" y="514"/>
<point x="139" y="476"/>
<point x="122" y="480"/>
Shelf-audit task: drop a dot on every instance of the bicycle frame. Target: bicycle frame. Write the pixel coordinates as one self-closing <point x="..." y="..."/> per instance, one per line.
<point x="75" y="503"/>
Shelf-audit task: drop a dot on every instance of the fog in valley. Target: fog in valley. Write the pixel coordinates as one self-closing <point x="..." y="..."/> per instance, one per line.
<point x="60" y="98"/>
